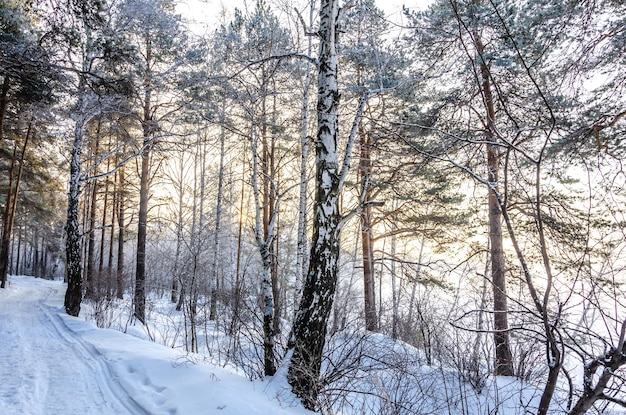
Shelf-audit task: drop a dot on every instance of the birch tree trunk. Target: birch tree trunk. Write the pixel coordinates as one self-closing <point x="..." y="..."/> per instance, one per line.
<point x="273" y="182"/>
<point x="214" y="279"/>
<point x="264" y="235"/>
<point x="301" y="258"/>
<point x="309" y="332"/>
<point x="86" y="109"/>
<point x="73" y="295"/>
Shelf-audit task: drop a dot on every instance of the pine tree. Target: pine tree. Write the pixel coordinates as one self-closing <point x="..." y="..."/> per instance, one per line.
<point x="153" y="30"/>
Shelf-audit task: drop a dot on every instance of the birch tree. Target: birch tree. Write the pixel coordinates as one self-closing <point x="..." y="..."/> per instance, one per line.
<point x="310" y="325"/>
<point x="261" y="41"/>
<point x="90" y="78"/>
<point x="301" y="253"/>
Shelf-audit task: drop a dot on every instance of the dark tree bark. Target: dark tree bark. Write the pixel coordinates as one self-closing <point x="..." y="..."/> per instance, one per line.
<point x="503" y="355"/>
<point x="11" y="205"/>
<point x="103" y="278"/>
<point x="365" y="171"/>
<point x="7" y="221"/>
<point x="601" y="370"/>
<point x="119" y="273"/>
<point x="90" y="277"/>
<point x="176" y="278"/>
<point x="4" y="100"/>
<point x="148" y="125"/>
<point x="109" y="268"/>
<point x="18" y="260"/>
<point x="140" y="274"/>
<point x="36" y="258"/>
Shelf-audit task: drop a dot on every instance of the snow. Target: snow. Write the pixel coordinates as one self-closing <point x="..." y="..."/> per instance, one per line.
<point x="51" y="363"/>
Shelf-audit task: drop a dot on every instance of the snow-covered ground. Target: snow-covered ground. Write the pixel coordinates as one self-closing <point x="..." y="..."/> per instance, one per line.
<point x="51" y="363"/>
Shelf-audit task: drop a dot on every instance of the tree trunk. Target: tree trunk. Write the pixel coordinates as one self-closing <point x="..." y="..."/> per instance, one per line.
<point x="44" y="258"/>
<point x="176" y="274"/>
<point x="18" y="260"/>
<point x="36" y="262"/>
<point x="140" y="274"/>
<point x="238" y="278"/>
<point x="365" y="171"/>
<point x="73" y="295"/>
<point x="273" y="247"/>
<point x="119" y="272"/>
<point x="301" y="258"/>
<point x="218" y="216"/>
<point x="273" y="250"/>
<point x="269" y="207"/>
<point x="264" y="235"/>
<point x="4" y="100"/>
<point x="7" y="220"/>
<point x="395" y="290"/>
<point x="111" y="284"/>
<point x="268" y="315"/>
<point x="11" y="206"/>
<point x="503" y="355"/>
<point x="309" y="331"/>
<point x="90" y="277"/>
<point x="103" y="278"/>
<point x="139" y="299"/>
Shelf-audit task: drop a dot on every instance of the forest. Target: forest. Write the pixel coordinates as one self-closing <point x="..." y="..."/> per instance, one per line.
<point x="358" y="201"/>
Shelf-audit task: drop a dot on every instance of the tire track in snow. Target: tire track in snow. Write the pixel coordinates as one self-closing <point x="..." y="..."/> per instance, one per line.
<point x="110" y="389"/>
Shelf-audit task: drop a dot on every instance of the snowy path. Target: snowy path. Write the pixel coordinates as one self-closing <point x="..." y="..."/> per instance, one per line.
<point x="54" y="364"/>
<point x="49" y="370"/>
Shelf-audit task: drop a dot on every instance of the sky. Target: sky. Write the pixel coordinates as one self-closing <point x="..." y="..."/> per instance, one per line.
<point x="206" y="12"/>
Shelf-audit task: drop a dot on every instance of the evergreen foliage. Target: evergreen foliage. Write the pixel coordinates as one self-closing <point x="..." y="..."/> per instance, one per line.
<point x="467" y="188"/>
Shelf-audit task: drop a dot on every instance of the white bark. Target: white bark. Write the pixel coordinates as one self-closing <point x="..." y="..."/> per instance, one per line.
<point x="301" y="259"/>
<point x="263" y="246"/>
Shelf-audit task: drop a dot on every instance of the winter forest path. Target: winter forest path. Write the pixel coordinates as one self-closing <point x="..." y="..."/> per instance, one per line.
<point x="45" y="368"/>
